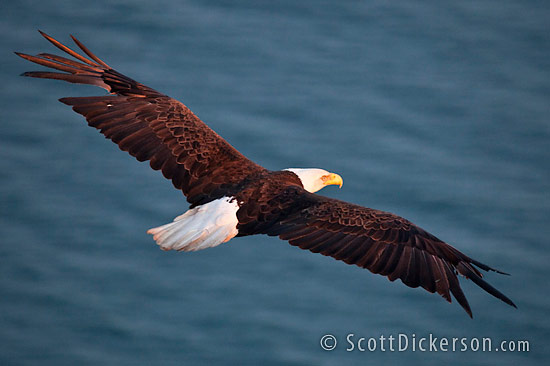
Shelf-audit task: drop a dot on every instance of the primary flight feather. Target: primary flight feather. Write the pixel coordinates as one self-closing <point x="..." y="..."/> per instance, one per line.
<point x="231" y="196"/>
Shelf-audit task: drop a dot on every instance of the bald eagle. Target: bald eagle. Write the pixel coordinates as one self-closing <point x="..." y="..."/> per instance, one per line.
<point x="231" y="196"/>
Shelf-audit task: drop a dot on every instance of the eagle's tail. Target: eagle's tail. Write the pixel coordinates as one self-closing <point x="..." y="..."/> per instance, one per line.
<point x="202" y="227"/>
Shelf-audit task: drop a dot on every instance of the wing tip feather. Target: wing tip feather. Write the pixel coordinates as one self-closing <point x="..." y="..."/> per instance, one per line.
<point x="465" y="269"/>
<point x="487" y="268"/>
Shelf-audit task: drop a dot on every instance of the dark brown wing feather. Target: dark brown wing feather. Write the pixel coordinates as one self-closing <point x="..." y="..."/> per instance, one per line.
<point x="378" y="241"/>
<point x="150" y="126"/>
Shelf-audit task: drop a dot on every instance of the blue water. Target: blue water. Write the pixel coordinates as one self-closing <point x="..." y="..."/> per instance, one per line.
<point x="436" y="111"/>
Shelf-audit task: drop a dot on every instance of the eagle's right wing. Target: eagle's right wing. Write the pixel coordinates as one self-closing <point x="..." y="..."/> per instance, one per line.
<point x="379" y="241"/>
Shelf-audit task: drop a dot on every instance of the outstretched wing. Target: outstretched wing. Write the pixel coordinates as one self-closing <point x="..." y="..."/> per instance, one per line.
<point x="150" y="126"/>
<point x="379" y="241"/>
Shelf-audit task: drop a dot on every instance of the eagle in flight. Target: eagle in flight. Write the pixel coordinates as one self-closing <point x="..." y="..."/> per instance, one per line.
<point x="231" y="196"/>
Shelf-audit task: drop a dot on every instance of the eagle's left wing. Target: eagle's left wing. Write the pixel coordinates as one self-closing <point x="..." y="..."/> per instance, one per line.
<point x="379" y="241"/>
<point x="150" y="126"/>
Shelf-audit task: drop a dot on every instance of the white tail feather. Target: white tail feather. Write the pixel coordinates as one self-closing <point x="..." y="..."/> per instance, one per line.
<point x="199" y="228"/>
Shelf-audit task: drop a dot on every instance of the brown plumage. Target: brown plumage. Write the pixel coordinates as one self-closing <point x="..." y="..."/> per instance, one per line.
<point x="154" y="127"/>
<point x="150" y="126"/>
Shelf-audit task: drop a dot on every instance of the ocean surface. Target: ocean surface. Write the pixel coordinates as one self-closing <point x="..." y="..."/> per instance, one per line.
<point x="438" y="111"/>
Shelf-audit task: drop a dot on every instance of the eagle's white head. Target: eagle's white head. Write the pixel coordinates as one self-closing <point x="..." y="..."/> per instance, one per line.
<point x="314" y="179"/>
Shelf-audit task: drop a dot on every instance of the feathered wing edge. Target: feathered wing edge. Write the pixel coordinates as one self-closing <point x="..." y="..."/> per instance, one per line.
<point x="84" y="72"/>
<point x="89" y="72"/>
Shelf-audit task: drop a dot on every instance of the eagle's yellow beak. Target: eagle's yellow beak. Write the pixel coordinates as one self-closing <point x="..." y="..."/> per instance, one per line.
<point x="332" y="180"/>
